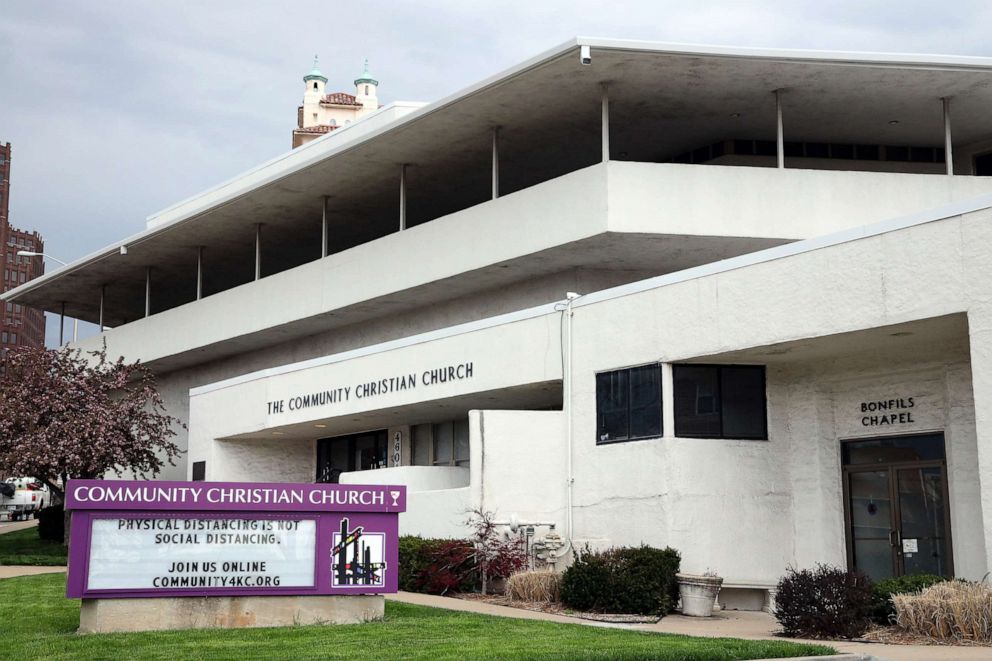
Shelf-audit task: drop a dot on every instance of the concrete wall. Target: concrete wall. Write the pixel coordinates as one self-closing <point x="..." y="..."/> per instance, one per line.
<point x="518" y="464"/>
<point x="747" y="509"/>
<point x="730" y="505"/>
<point x="415" y="478"/>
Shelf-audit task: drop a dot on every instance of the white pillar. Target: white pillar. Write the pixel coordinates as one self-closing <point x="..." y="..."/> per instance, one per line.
<point x="948" y="151"/>
<point x="323" y="230"/>
<point x="667" y="401"/>
<point x="495" y="162"/>
<point x="779" y="130"/>
<point x="62" y="324"/>
<point x="148" y="291"/>
<point x="605" y="121"/>
<point x="980" y="345"/>
<point x="403" y="197"/>
<point x="103" y="293"/>
<point x="258" y="251"/>
<point x="199" y="273"/>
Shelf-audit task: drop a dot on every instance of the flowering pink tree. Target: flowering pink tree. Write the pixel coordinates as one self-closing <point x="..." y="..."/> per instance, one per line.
<point x="65" y="416"/>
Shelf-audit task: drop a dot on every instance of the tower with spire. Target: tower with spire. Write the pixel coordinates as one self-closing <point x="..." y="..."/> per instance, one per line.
<point x="324" y="112"/>
<point x="365" y="89"/>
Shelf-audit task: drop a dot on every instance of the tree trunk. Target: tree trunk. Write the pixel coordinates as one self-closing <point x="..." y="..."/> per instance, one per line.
<point x="66" y="521"/>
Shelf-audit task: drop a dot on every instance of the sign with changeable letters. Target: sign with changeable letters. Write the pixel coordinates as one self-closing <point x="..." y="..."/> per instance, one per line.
<point x="173" y="539"/>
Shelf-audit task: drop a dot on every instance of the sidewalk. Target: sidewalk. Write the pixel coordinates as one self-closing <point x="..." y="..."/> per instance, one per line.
<point x="11" y="526"/>
<point x="726" y="624"/>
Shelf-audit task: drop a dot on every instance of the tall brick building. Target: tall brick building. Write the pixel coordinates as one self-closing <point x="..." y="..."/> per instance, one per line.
<point x="19" y="325"/>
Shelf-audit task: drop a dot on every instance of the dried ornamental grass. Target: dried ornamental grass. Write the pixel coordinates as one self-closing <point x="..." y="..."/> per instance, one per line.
<point x="952" y="610"/>
<point x="542" y="585"/>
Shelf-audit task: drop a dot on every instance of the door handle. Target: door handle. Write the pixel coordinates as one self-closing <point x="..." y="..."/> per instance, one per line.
<point x="893" y="538"/>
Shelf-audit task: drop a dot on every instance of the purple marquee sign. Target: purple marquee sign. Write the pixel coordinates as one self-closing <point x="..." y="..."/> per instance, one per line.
<point x="175" y="539"/>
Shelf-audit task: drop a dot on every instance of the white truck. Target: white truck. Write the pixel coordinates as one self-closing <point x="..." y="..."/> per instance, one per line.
<point x="22" y="497"/>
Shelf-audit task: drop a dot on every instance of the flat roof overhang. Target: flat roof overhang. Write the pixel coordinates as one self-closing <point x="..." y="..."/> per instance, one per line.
<point x="665" y="99"/>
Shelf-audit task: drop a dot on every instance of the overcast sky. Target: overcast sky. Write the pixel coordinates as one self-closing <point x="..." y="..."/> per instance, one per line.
<point x="116" y="109"/>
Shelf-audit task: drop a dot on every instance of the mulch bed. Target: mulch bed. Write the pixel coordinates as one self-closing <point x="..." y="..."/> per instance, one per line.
<point x="557" y="609"/>
<point x="897" y="636"/>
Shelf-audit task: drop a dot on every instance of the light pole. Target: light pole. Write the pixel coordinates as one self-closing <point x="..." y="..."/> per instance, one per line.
<point x="75" y="322"/>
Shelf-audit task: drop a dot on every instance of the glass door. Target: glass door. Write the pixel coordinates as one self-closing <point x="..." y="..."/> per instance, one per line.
<point x="871" y="523"/>
<point x="896" y="506"/>
<point x="922" y="531"/>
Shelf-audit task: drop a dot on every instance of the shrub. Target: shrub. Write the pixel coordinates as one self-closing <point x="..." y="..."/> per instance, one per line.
<point x="542" y="585"/>
<point x="495" y="557"/>
<point x="436" y="566"/>
<point x="884" y="612"/>
<point x="825" y="602"/>
<point x="623" y="580"/>
<point x="450" y="567"/>
<point x="51" y="523"/>
<point x="949" y="610"/>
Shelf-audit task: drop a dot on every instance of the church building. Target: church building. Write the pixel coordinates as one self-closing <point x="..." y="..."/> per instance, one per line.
<point x="323" y="112"/>
<point x="734" y="301"/>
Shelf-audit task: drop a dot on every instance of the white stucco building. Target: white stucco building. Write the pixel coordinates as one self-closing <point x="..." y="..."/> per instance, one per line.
<point x="734" y="301"/>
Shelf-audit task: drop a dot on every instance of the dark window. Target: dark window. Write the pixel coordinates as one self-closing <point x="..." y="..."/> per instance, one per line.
<point x="765" y="148"/>
<point x="842" y="151"/>
<point x="867" y="152"/>
<point x="894" y="153"/>
<point x="794" y="149"/>
<point x="921" y="154"/>
<point x="983" y="165"/>
<point x="720" y="401"/>
<point x="199" y="471"/>
<point x="817" y="150"/>
<point x="745" y="147"/>
<point x="628" y="404"/>
<point x="928" y="447"/>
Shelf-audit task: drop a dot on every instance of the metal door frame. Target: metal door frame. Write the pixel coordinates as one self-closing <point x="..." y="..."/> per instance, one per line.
<point x="895" y="523"/>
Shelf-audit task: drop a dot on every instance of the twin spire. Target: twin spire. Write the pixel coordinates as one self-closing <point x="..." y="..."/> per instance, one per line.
<point x="315" y="74"/>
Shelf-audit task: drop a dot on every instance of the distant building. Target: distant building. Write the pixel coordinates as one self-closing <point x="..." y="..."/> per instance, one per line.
<point x="322" y="112"/>
<point x="19" y="325"/>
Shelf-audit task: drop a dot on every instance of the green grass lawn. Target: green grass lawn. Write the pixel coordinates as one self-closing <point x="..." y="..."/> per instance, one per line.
<point x="38" y="622"/>
<point x="24" y="547"/>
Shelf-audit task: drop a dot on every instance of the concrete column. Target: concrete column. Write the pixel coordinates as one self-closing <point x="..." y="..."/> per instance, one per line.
<point x="779" y="130"/>
<point x="403" y="197"/>
<point x="605" y="123"/>
<point x="258" y="251"/>
<point x="980" y="345"/>
<point x="948" y="150"/>
<point x="103" y="293"/>
<point x="495" y="162"/>
<point x="323" y="230"/>
<point x="62" y="325"/>
<point x="199" y="273"/>
<point x="148" y="291"/>
<point x="667" y="401"/>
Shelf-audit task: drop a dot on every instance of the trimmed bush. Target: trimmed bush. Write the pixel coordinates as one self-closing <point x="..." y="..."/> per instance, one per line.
<point x="437" y="566"/>
<point x="542" y="585"/>
<point x="951" y="610"/>
<point x="51" y="523"/>
<point x="637" y="580"/>
<point x="825" y="602"/>
<point x="884" y="611"/>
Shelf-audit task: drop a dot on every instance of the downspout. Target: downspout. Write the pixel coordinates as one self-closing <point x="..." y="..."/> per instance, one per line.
<point x="569" y="433"/>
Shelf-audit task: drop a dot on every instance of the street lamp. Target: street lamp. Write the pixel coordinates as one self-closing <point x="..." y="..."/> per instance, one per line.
<point x="28" y="253"/>
<point x="75" y="322"/>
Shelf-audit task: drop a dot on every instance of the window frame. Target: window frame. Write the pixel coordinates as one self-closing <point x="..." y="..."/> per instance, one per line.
<point x="720" y="367"/>
<point x="660" y="402"/>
